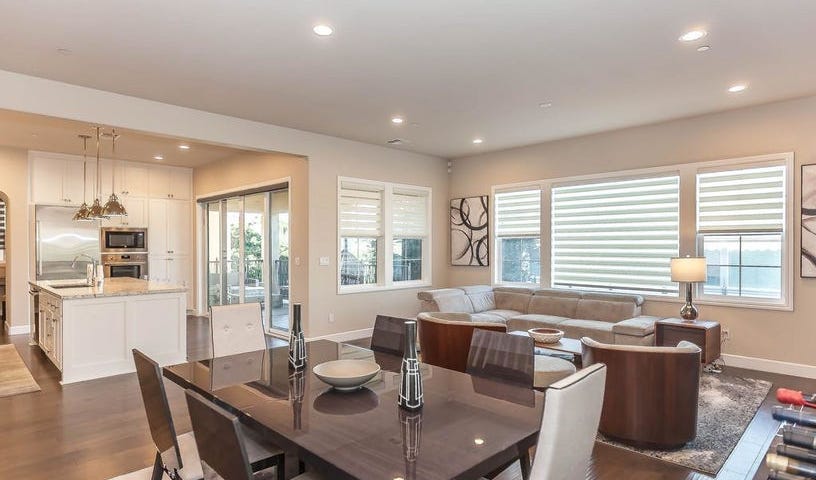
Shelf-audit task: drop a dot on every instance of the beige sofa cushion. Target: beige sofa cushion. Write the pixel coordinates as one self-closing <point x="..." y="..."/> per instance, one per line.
<point x="487" y="317"/>
<point x="638" y="326"/>
<point x="604" y="310"/>
<point x="430" y="295"/>
<point x="594" y="329"/>
<point x="526" y="322"/>
<point x="456" y="302"/>
<point x="505" y="314"/>
<point x="554" y="302"/>
<point x="481" y="297"/>
<point x="517" y="301"/>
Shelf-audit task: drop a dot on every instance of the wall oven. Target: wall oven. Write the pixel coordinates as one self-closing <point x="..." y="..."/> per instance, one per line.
<point x="122" y="240"/>
<point x="132" y="265"/>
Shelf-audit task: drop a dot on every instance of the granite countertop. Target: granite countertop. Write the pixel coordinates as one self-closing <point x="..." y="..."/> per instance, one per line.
<point x="111" y="287"/>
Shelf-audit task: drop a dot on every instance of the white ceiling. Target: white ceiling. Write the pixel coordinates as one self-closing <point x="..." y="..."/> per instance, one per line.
<point x="48" y="134"/>
<point x="457" y="68"/>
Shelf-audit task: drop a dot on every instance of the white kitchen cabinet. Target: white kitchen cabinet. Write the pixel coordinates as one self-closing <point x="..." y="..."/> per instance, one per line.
<point x="135" y="180"/>
<point x="57" y="179"/>
<point x="169" y="227"/>
<point x="50" y="327"/>
<point x="136" y="217"/>
<point x="175" y="270"/>
<point x="166" y="182"/>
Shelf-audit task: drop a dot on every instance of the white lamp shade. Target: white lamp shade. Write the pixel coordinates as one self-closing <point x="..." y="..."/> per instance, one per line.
<point x="688" y="269"/>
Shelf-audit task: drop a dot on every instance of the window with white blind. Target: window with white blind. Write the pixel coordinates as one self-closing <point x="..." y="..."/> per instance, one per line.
<point x="741" y="228"/>
<point x="2" y="230"/>
<point x="518" y="236"/>
<point x="383" y="233"/>
<point x="616" y="235"/>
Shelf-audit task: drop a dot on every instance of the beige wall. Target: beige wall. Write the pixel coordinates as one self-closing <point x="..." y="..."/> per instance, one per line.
<point x="14" y="184"/>
<point x="258" y="168"/>
<point x="772" y="128"/>
<point x="358" y="310"/>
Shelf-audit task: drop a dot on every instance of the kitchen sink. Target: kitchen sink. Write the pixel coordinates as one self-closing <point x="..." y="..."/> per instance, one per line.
<point x="70" y="285"/>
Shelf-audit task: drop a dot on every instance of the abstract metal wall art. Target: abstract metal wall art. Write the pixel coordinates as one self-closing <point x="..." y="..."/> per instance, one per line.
<point x="469" y="232"/>
<point x="808" y="239"/>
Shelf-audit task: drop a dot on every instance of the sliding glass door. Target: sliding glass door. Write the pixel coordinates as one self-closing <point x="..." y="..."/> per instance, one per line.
<point x="248" y="253"/>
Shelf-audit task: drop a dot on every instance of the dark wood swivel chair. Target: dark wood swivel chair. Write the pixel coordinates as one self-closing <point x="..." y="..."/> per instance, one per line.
<point x="222" y="444"/>
<point x="445" y="338"/>
<point x="177" y="456"/>
<point x="651" y="393"/>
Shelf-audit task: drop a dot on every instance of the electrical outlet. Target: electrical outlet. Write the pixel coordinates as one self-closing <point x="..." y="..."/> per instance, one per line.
<point x="725" y="335"/>
<point x="331" y="317"/>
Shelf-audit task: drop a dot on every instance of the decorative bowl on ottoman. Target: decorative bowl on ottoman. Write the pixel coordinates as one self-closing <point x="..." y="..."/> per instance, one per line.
<point x="346" y="375"/>
<point x="546" y="335"/>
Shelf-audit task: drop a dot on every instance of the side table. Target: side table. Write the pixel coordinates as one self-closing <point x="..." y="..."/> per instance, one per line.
<point x="703" y="333"/>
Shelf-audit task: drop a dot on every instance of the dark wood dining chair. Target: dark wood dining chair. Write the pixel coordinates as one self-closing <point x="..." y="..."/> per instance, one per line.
<point x="177" y="456"/>
<point x="225" y="453"/>
<point x="389" y="335"/>
<point x="499" y="356"/>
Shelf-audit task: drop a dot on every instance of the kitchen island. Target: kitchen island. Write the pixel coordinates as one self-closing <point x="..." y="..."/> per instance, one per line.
<point x="88" y="332"/>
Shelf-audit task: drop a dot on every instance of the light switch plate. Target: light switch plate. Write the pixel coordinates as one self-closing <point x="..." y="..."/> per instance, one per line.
<point x="324" y="261"/>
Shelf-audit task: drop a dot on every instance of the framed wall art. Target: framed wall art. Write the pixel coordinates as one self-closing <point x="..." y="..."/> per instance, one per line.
<point x="808" y="236"/>
<point x="469" y="231"/>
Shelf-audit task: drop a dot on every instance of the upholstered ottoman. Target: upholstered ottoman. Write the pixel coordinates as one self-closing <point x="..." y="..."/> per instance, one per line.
<point x="549" y="370"/>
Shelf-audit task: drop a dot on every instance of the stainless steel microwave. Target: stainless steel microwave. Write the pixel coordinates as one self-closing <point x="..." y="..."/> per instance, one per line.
<point x="123" y="240"/>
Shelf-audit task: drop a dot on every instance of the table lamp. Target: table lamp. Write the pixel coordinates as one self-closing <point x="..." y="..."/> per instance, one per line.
<point x="690" y="270"/>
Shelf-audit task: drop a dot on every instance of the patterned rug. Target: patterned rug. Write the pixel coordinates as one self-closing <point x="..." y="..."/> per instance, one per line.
<point x="727" y="406"/>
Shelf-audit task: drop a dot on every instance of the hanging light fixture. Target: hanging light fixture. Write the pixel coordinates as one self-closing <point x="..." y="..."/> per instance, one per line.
<point x="113" y="208"/>
<point x="82" y="215"/>
<point x="96" y="212"/>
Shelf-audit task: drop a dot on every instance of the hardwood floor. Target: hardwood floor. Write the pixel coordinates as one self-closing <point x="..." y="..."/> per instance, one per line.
<point x="97" y="429"/>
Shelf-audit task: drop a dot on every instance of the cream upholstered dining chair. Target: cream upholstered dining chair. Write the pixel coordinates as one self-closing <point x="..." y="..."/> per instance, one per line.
<point x="236" y="328"/>
<point x="572" y="411"/>
<point x="221" y="439"/>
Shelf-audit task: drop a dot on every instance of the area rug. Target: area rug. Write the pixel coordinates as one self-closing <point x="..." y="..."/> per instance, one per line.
<point x="15" y="378"/>
<point x="727" y="405"/>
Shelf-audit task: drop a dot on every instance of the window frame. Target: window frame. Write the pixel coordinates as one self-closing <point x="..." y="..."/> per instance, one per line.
<point x="495" y="251"/>
<point x="688" y="222"/>
<point x="785" y="302"/>
<point x="385" y="263"/>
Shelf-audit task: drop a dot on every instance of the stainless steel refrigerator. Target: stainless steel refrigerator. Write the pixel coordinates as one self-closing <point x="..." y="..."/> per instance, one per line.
<point x="64" y="247"/>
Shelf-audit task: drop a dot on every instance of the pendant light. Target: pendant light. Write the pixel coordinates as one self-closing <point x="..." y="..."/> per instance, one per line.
<point x="113" y="208"/>
<point x="82" y="215"/>
<point x="96" y="212"/>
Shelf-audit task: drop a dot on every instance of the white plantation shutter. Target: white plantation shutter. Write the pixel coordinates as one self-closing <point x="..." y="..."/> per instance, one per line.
<point x="616" y="235"/>
<point x="518" y="213"/>
<point x="2" y="226"/>
<point x="360" y="211"/>
<point x="409" y="214"/>
<point x="744" y="200"/>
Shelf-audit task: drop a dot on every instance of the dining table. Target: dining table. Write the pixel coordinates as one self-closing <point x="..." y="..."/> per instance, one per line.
<point x="468" y="427"/>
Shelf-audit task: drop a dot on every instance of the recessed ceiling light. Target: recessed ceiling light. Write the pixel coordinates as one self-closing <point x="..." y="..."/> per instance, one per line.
<point x="477" y="141"/>
<point x="704" y="48"/>
<point x="397" y="120"/>
<point x="64" y="51"/>
<point x="323" y="30"/>
<point x="184" y="147"/>
<point x="158" y="157"/>
<point x="545" y="104"/>
<point x="740" y="87"/>
<point x="693" y="35"/>
<point x="478" y="441"/>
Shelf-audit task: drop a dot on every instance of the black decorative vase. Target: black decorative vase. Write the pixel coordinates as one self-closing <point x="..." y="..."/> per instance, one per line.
<point x="297" y="389"/>
<point x="297" y="346"/>
<point x="410" y="391"/>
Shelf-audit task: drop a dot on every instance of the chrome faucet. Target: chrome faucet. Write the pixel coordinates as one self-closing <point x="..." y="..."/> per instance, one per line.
<point x="90" y="280"/>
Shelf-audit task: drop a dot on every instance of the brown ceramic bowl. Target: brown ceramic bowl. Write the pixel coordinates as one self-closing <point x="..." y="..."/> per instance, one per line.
<point x="546" y="335"/>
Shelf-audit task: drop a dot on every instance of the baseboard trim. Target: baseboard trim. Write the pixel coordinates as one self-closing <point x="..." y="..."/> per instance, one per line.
<point x="772" y="366"/>
<point x="17" y="329"/>
<point x="345" y="336"/>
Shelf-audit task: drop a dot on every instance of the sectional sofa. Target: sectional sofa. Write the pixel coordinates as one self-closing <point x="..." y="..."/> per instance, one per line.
<point x="604" y="317"/>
